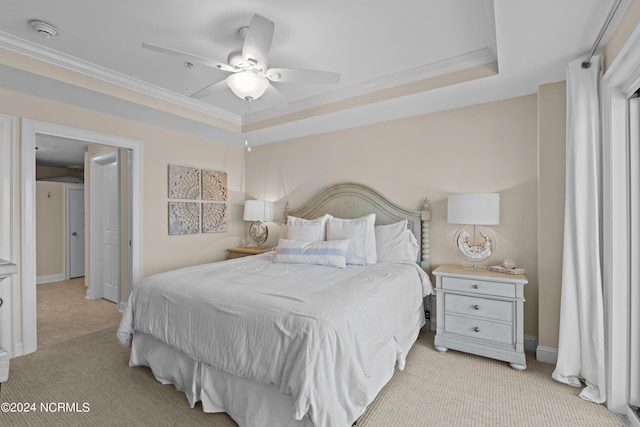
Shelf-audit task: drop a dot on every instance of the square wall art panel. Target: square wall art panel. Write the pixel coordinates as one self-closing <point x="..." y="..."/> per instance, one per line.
<point x="184" y="218"/>
<point x="214" y="185"/>
<point x="214" y="218"/>
<point x="184" y="183"/>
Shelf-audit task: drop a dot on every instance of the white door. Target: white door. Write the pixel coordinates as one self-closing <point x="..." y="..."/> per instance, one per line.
<point x="110" y="233"/>
<point x="75" y="230"/>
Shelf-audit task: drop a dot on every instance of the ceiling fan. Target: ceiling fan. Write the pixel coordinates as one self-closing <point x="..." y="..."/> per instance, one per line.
<point x="250" y="75"/>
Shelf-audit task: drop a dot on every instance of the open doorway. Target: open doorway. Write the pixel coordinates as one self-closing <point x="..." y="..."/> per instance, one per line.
<point x="60" y="208"/>
<point x="132" y="254"/>
<point x="66" y="169"/>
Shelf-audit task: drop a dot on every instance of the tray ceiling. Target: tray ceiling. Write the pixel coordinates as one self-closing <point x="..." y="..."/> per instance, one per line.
<point x="395" y="59"/>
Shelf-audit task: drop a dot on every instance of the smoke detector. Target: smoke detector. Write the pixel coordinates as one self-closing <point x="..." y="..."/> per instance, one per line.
<point x="45" y="29"/>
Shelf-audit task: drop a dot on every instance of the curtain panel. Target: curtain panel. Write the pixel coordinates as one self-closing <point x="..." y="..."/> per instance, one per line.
<point x="581" y="347"/>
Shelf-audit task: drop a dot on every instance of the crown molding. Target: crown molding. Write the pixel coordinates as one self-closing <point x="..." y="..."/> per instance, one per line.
<point x="51" y="56"/>
<point x="450" y="65"/>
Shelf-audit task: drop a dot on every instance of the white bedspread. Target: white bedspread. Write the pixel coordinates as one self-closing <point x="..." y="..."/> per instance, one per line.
<point x="312" y="331"/>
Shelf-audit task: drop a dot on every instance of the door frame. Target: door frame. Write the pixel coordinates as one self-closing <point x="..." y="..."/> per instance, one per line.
<point x="619" y="82"/>
<point x="7" y="226"/>
<point x="96" y="273"/>
<point x="67" y="218"/>
<point x="29" y="129"/>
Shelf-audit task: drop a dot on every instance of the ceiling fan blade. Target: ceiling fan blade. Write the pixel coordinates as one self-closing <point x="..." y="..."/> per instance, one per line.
<point x="211" y="89"/>
<point x="257" y="41"/>
<point x="272" y="96"/>
<point x="296" y="75"/>
<point x="190" y="57"/>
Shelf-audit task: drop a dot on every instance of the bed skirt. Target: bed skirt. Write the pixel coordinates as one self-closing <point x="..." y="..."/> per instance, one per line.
<point x="248" y="403"/>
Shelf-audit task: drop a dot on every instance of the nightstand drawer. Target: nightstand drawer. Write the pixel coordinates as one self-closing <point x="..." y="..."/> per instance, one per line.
<point x="243" y="251"/>
<point x="477" y="328"/>
<point x="478" y="307"/>
<point x="479" y="287"/>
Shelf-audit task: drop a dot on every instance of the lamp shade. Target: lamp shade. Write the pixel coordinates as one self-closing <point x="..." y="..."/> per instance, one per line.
<point x="258" y="210"/>
<point x="474" y="208"/>
<point x="247" y="84"/>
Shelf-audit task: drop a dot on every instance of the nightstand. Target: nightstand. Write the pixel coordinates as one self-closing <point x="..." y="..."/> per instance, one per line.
<point x="481" y="312"/>
<point x="245" y="251"/>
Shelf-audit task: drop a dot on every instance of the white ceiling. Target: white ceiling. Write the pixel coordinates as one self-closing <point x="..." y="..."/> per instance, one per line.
<point x="60" y="152"/>
<point x="373" y="44"/>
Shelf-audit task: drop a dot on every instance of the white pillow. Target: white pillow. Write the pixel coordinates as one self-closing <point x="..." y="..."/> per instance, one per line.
<point x="362" y="250"/>
<point x="329" y="252"/>
<point x="414" y="247"/>
<point x="396" y="243"/>
<point x="309" y="230"/>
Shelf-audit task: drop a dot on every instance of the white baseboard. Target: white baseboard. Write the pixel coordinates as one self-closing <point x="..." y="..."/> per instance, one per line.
<point x="50" y="278"/>
<point x="633" y="417"/>
<point x="530" y="343"/>
<point x="122" y="306"/>
<point x="17" y="350"/>
<point x="547" y="354"/>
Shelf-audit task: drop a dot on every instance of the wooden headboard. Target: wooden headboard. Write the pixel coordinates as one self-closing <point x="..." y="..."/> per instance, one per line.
<point x="355" y="200"/>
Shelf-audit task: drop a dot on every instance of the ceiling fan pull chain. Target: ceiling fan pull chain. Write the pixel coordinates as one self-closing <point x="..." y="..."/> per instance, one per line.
<point x="246" y="134"/>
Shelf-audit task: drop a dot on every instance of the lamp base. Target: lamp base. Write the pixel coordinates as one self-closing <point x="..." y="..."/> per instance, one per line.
<point x="475" y="245"/>
<point x="259" y="233"/>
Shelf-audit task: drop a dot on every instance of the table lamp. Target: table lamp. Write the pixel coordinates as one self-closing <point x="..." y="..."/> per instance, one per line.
<point x="474" y="244"/>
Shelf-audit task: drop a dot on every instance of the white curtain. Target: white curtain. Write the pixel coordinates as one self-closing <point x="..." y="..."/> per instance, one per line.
<point x="581" y="352"/>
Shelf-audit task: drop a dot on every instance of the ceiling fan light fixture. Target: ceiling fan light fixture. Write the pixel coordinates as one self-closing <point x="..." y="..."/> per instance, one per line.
<point x="247" y="84"/>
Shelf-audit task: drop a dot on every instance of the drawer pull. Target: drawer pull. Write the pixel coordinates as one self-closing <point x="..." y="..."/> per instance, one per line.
<point x="476" y="329"/>
<point x="476" y="287"/>
<point x="476" y="307"/>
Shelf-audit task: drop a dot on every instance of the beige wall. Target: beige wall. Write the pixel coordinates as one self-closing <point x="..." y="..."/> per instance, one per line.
<point x="489" y="147"/>
<point x="552" y="143"/>
<point x="49" y="228"/>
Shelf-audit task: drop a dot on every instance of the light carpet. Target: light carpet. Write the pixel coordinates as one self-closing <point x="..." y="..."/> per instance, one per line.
<point x="91" y="378"/>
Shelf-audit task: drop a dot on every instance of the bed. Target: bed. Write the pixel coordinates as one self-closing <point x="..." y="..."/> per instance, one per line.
<point x="281" y="339"/>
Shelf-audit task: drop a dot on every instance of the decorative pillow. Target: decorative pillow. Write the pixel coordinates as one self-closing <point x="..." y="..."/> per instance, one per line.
<point x="309" y="230"/>
<point x="362" y="250"/>
<point x="329" y="252"/>
<point x="396" y="243"/>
